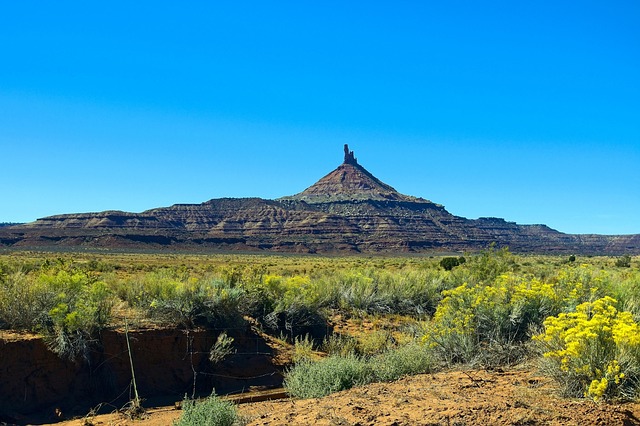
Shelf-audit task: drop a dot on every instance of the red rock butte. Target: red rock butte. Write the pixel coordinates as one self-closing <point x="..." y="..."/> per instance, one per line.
<point x="350" y="181"/>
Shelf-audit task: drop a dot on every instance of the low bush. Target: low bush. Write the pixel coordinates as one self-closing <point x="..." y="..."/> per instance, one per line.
<point x="302" y="349"/>
<point x="448" y="263"/>
<point x="491" y="263"/>
<point x="339" y="344"/>
<point x="81" y="307"/>
<point x="627" y="292"/>
<point x="209" y="412"/>
<point x="487" y="323"/>
<point x="406" y="360"/>
<point x="374" y="342"/>
<point x="309" y="379"/>
<point x="623" y="261"/>
<point x="22" y="304"/>
<point x="372" y="291"/>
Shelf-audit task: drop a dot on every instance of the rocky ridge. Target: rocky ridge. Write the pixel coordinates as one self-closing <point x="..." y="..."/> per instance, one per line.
<point x="347" y="211"/>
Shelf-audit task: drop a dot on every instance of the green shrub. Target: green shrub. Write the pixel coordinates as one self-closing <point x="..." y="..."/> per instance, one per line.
<point x="185" y="301"/>
<point x="406" y="360"/>
<point x="491" y="263"/>
<point x="210" y="412"/>
<point x="68" y="307"/>
<point x="49" y="289"/>
<point x="374" y="342"/>
<point x="627" y="292"/>
<point x="623" y="261"/>
<point x="415" y="293"/>
<point x="302" y="349"/>
<point x="23" y="304"/>
<point x="356" y="292"/>
<point x="287" y="304"/>
<point x="339" y="344"/>
<point x="309" y="379"/>
<point x="80" y="308"/>
<point x="448" y="263"/>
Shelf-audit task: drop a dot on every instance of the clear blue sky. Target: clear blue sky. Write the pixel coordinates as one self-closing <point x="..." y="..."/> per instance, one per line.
<point x="528" y="111"/>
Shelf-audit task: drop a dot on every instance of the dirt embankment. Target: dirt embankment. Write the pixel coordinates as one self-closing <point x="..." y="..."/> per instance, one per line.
<point x="38" y="386"/>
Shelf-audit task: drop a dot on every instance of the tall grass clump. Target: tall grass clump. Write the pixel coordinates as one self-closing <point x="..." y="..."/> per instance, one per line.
<point x="339" y="344"/>
<point x="593" y="351"/>
<point x="209" y="412"/>
<point x="627" y="292"/>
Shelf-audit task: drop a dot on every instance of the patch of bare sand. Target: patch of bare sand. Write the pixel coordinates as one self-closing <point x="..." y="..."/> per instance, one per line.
<point x="449" y="398"/>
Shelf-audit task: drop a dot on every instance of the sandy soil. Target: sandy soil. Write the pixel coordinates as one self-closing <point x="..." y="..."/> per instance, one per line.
<point x="512" y="397"/>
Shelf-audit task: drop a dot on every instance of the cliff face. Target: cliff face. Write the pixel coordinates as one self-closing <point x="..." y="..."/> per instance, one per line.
<point x="348" y="210"/>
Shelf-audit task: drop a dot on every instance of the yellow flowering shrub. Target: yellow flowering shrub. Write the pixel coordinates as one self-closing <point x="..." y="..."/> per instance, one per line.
<point x="593" y="351"/>
<point x="276" y="293"/>
<point x="581" y="283"/>
<point x="470" y="317"/>
<point x="503" y="311"/>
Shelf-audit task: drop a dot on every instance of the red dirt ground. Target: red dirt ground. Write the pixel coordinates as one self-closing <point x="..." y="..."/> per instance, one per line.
<point x="462" y="398"/>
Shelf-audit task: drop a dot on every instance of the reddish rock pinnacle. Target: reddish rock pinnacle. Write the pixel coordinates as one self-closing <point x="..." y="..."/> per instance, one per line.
<point x="349" y="157"/>
<point x="350" y="181"/>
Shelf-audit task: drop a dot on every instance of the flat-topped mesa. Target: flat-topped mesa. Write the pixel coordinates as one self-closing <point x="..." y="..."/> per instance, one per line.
<point x="350" y="182"/>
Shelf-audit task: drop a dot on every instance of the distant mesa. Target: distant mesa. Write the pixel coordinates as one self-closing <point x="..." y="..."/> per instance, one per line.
<point x="347" y="211"/>
<point x="2" y="224"/>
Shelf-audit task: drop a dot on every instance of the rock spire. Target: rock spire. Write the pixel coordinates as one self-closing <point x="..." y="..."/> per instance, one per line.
<point x="349" y="182"/>
<point x="349" y="157"/>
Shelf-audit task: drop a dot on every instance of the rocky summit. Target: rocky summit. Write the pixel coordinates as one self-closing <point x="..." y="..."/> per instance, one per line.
<point x="347" y="211"/>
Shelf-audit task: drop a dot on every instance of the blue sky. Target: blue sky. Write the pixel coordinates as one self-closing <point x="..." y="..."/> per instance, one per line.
<point x="528" y="111"/>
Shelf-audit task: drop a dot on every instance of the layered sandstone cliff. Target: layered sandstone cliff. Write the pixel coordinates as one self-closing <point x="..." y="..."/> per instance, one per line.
<point x="348" y="210"/>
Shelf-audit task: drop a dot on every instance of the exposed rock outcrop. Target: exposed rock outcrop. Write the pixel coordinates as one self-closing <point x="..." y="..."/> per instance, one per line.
<point x="348" y="210"/>
<point x="349" y="156"/>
